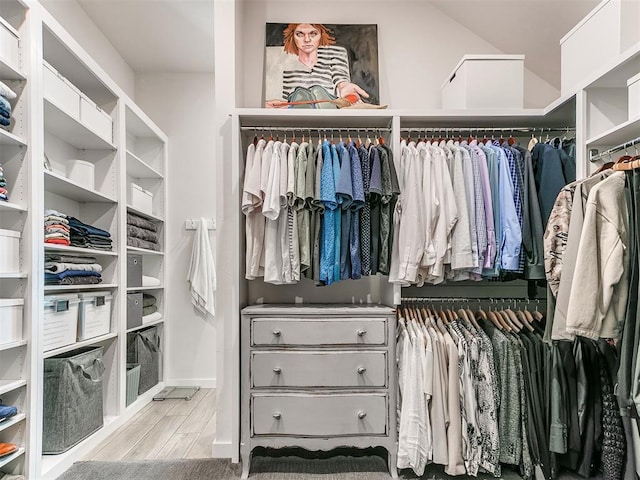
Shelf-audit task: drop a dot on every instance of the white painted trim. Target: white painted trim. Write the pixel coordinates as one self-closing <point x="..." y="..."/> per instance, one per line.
<point x="225" y="450"/>
<point x="192" y="382"/>
<point x="634" y="79"/>
<point x="584" y="20"/>
<point x="473" y="57"/>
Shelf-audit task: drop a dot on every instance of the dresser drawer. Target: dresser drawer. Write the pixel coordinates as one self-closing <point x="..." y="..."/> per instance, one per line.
<point x="319" y="415"/>
<point x="319" y="369"/>
<point x="331" y="331"/>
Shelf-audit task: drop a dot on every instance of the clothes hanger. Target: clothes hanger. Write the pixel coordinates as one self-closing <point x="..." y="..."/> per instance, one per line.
<point x="514" y="319"/>
<point x="523" y="319"/>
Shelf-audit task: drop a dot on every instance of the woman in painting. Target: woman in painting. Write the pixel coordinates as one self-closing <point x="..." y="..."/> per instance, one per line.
<point x="314" y="68"/>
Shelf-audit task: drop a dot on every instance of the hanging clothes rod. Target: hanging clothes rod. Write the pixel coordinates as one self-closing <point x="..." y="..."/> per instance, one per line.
<point x="536" y="301"/>
<point x="316" y="129"/>
<point x="490" y="129"/>
<point x="622" y="146"/>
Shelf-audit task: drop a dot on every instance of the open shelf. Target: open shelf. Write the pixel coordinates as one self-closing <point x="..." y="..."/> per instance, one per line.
<point x="8" y="138"/>
<point x="10" y="72"/>
<point x="135" y="289"/>
<point x="144" y="214"/>
<point x="138" y="168"/>
<point x="12" y="421"/>
<point x="71" y="130"/>
<point x="8" y="206"/>
<point x="145" y="325"/>
<point x="78" y="288"/>
<point x="13" y="275"/>
<point x="143" y="251"/>
<point x="618" y="134"/>
<point x="9" y="346"/>
<point x="51" y="247"/>
<point x="10" y="385"/>
<point x="618" y="71"/>
<point x="10" y="458"/>
<point x="61" y="185"/>
<point x="84" y="343"/>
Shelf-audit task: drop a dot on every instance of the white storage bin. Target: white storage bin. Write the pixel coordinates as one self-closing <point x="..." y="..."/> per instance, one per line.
<point x="607" y="31"/>
<point x="94" y="318"/>
<point x="10" y="320"/>
<point x="96" y="119"/>
<point x="60" y="320"/>
<point x="81" y="172"/>
<point x="140" y="199"/>
<point x="9" y="251"/>
<point x="9" y="44"/>
<point x="62" y="93"/>
<point x="633" y="84"/>
<point x="485" y="82"/>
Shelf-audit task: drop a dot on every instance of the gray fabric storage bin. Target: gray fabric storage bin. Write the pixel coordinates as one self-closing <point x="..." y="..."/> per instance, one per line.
<point x="143" y="348"/>
<point x="134" y="310"/>
<point x="134" y="270"/>
<point x="72" y="398"/>
<point x="133" y="382"/>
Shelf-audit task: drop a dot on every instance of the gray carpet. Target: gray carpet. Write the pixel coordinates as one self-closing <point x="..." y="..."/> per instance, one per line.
<point x="276" y="467"/>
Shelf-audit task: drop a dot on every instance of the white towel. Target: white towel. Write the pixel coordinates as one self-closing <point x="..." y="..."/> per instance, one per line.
<point x="202" y="271"/>
<point x="150" y="281"/>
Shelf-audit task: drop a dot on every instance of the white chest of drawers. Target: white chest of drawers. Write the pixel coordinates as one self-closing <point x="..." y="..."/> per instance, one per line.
<point x="318" y="377"/>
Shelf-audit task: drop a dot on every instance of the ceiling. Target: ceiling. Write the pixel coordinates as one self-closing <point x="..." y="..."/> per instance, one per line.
<point x="177" y="35"/>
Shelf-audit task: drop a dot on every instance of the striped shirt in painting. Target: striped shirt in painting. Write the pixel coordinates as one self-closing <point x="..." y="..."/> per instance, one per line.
<point x="331" y="69"/>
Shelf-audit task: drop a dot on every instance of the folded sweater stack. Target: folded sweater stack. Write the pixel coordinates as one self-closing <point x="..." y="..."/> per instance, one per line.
<point x="4" y="193"/>
<point x="142" y="233"/>
<point x="56" y="228"/>
<point x="6" y="94"/>
<point x="88" y="236"/>
<point x="150" y="311"/>
<point x="71" y="270"/>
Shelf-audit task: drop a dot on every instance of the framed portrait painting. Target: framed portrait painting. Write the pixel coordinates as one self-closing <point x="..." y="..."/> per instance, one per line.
<point x="314" y="65"/>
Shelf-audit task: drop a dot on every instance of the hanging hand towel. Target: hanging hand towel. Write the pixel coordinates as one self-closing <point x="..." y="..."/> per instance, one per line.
<point x="202" y="271"/>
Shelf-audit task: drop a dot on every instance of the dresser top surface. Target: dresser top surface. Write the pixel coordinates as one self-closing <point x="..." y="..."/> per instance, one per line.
<point x="317" y="309"/>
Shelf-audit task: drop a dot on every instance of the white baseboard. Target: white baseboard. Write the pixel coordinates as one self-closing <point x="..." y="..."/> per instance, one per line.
<point x="191" y="382"/>
<point x="225" y="450"/>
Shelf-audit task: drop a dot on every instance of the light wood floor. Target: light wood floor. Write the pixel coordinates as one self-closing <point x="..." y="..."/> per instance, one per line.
<point x="164" y="430"/>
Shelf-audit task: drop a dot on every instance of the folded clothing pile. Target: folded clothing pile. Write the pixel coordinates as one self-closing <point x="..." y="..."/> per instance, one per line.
<point x="6" y="94"/>
<point x="4" y="193"/>
<point x="7" y="448"/>
<point x="88" y="236"/>
<point x="142" y="233"/>
<point x="71" y="270"/>
<point x="56" y="228"/>
<point x="150" y="311"/>
<point x="7" y="411"/>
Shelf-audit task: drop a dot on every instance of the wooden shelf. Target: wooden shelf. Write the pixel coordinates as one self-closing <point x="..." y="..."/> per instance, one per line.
<point x="12" y="421"/>
<point x="617" y="135"/>
<point x="84" y="343"/>
<point x="145" y="325"/>
<point x="138" y="168"/>
<point x="61" y="185"/>
<point x="9" y="346"/>
<point x="79" y="288"/>
<point x="71" y="130"/>
<point x="143" y="251"/>
<point x="11" y="385"/>
<point x="10" y="458"/>
<point x="51" y="247"/>
<point x="8" y="138"/>
<point x="136" y="289"/>
<point x="8" y="207"/>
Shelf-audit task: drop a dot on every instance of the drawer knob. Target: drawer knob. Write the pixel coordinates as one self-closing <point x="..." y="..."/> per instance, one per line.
<point x="361" y="415"/>
<point x="277" y="370"/>
<point x="277" y="415"/>
<point x="362" y="332"/>
<point x="361" y="370"/>
<point x="277" y="333"/>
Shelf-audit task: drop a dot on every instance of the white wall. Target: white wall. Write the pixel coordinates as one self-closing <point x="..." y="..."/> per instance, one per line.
<point x="182" y="105"/>
<point x="74" y="19"/>
<point x="418" y="47"/>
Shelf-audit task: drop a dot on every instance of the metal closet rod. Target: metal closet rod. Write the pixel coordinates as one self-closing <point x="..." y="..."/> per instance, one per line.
<point x="619" y="148"/>
<point x="490" y="129"/>
<point x="472" y="300"/>
<point x="316" y="129"/>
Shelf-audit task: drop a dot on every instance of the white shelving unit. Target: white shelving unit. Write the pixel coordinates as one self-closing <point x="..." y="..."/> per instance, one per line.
<point x="134" y="149"/>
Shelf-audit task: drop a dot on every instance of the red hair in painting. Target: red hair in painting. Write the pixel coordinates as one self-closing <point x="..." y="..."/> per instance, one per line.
<point x="289" y="42"/>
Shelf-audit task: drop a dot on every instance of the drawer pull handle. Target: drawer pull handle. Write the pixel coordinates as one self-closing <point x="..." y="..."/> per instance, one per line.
<point x="277" y="415"/>
<point x="361" y="370"/>
<point x="361" y="415"/>
<point x="277" y="370"/>
<point x="277" y="333"/>
<point x="362" y="333"/>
